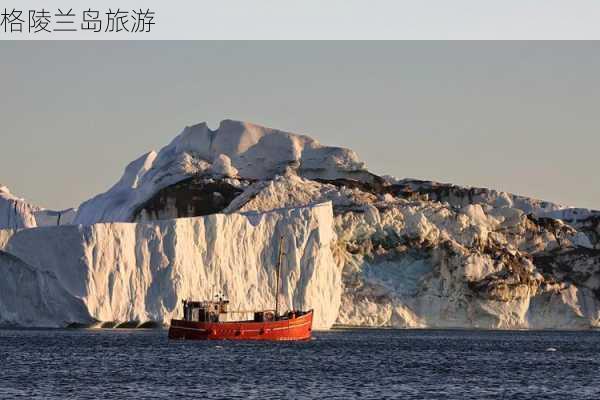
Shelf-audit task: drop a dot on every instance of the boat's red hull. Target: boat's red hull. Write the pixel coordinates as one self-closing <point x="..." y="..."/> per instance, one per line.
<point x="298" y="328"/>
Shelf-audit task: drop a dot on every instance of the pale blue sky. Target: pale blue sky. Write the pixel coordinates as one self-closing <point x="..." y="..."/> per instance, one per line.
<point x="515" y="116"/>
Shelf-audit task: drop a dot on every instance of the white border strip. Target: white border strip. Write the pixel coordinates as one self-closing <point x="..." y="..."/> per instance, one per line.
<point x="339" y="19"/>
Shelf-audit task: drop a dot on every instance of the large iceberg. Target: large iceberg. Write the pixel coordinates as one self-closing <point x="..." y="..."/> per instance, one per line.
<point x="403" y="252"/>
<point x="141" y="272"/>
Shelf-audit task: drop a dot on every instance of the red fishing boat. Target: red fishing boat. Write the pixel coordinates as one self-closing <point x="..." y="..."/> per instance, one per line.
<point x="266" y="325"/>
<point x="204" y="320"/>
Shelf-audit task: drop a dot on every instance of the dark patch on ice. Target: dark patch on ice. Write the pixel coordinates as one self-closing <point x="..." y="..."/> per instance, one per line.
<point x="192" y="197"/>
<point x="572" y="265"/>
<point x="375" y="186"/>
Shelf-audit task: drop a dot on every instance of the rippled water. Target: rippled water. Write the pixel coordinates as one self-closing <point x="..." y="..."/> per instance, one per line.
<point x="365" y="364"/>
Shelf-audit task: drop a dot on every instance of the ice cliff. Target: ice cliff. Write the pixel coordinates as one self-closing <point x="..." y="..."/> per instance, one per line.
<point x="34" y="298"/>
<point x="407" y="253"/>
<point x="141" y="272"/>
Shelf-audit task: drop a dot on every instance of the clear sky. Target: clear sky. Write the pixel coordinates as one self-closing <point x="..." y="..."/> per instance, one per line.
<point x="514" y="116"/>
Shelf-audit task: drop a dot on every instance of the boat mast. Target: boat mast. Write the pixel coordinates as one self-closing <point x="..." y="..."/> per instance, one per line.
<point x="278" y="274"/>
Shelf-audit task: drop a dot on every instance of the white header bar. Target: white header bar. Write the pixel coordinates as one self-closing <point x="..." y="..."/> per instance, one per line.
<point x="300" y="19"/>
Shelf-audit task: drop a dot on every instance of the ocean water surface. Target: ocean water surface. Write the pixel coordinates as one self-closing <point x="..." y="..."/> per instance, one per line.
<point x="340" y="364"/>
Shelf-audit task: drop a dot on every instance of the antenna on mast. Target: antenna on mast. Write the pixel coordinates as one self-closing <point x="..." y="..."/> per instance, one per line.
<point x="278" y="275"/>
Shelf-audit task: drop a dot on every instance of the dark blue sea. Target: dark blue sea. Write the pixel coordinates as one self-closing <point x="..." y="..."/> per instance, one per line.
<point x="341" y="364"/>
